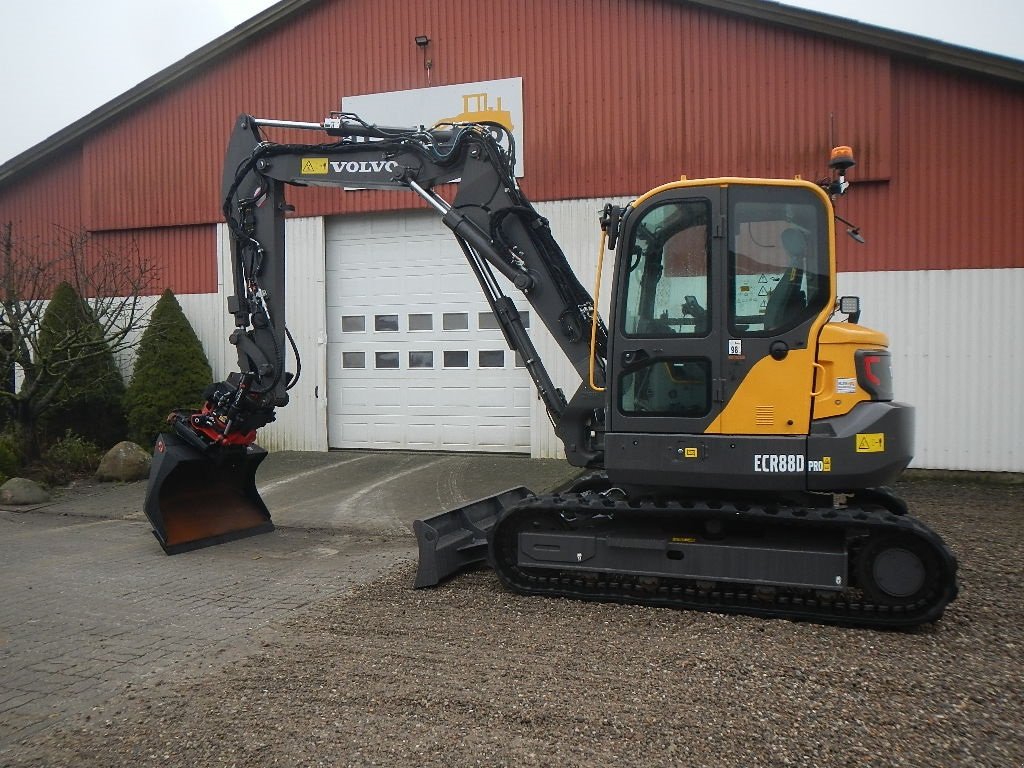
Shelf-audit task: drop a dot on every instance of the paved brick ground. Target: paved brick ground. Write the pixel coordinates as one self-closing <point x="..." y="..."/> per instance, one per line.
<point x="91" y="607"/>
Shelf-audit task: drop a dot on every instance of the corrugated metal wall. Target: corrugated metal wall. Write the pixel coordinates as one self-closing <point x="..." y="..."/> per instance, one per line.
<point x="47" y="208"/>
<point x="47" y="200"/>
<point x="625" y="94"/>
<point x="955" y="340"/>
<point x="179" y="256"/>
<point x="949" y="204"/>
<point x="620" y="95"/>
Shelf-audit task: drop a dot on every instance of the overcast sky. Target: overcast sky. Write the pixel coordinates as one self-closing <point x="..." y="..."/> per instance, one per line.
<point x="61" y="59"/>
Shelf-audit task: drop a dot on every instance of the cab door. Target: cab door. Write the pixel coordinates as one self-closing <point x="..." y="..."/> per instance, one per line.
<point x="665" y="359"/>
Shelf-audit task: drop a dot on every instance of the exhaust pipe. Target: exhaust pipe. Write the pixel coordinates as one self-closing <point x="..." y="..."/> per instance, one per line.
<point x="201" y="498"/>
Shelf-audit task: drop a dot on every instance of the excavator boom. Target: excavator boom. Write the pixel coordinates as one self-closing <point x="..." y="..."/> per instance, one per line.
<point x="506" y="236"/>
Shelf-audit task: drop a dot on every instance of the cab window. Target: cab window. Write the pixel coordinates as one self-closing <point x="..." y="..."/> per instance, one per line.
<point x="667" y="387"/>
<point x="667" y="285"/>
<point x="778" y="260"/>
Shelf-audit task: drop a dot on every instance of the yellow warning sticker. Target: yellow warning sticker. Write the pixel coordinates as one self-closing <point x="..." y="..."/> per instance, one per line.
<point x="314" y="165"/>
<point x="684" y="540"/>
<point x="690" y="453"/>
<point x="873" y="442"/>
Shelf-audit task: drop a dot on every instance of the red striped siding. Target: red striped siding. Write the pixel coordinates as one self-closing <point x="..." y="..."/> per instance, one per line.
<point x="47" y="202"/>
<point x="122" y="262"/>
<point x="183" y="259"/>
<point x="620" y="95"/>
<point x="952" y="202"/>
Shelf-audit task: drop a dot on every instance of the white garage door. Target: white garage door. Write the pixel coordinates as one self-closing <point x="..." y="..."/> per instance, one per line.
<point x="415" y="359"/>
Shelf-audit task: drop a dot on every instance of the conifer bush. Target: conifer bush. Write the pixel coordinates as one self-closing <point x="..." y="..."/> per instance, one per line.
<point x="79" y="375"/>
<point x="10" y="460"/>
<point x="171" y="371"/>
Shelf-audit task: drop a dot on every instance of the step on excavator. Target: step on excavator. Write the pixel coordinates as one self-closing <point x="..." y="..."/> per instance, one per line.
<point x="734" y="425"/>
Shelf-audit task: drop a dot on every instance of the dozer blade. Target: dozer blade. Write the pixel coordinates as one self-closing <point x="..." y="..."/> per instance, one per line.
<point x="198" y="499"/>
<point x="456" y="539"/>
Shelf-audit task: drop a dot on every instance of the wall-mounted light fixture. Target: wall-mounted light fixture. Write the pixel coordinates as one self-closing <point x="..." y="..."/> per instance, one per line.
<point x="422" y="41"/>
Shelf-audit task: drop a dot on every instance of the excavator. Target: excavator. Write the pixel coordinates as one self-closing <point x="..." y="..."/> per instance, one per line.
<point x="734" y="427"/>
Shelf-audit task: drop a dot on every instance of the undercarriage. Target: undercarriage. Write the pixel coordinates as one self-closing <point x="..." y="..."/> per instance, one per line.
<point x="861" y="564"/>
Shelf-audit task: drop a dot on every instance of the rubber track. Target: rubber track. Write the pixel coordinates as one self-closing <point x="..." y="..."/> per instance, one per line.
<point x="845" y="608"/>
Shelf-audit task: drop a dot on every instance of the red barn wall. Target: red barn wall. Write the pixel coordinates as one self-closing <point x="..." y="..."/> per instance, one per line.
<point x="619" y="96"/>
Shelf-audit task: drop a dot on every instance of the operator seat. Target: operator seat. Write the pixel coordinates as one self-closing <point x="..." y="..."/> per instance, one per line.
<point x="788" y="301"/>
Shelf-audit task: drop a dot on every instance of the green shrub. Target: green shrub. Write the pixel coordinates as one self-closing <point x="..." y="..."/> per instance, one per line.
<point x="10" y="460"/>
<point x="89" y="402"/>
<point x="69" y="457"/>
<point x="77" y="454"/>
<point x="171" y="371"/>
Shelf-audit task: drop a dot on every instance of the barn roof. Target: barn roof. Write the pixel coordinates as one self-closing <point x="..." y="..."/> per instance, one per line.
<point x="899" y="44"/>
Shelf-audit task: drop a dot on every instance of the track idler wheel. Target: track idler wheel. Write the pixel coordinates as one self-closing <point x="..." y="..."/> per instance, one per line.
<point x="897" y="570"/>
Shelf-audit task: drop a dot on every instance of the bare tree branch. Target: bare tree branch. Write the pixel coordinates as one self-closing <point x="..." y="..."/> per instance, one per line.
<point x="113" y="286"/>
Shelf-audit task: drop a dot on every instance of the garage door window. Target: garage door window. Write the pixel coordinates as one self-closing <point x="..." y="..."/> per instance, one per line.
<point x="421" y="322"/>
<point x="455" y="321"/>
<point x="353" y="359"/>
<point x="456" y="359"/>
<point x="353" y="324"/>
<point x="386" y="360"/>
<point x="421" y="359"/>
<point x="385" y="322"/>
<point x="492" y="358"/>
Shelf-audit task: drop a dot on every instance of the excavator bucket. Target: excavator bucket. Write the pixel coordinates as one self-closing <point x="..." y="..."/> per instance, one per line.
<point x="198" y="499"/>
<point x="456" y="539"/>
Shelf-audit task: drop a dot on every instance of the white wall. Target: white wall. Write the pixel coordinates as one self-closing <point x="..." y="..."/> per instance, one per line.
<point x="954" y="338"/>
<point x="958" y="356"/>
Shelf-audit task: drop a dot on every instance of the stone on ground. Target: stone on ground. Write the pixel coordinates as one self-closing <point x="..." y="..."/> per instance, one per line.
<point x="125" y="462"/>
<point x="20" y="490"/>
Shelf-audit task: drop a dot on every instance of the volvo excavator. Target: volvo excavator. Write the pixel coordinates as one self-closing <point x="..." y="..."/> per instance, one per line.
<point x="735" y="425"/>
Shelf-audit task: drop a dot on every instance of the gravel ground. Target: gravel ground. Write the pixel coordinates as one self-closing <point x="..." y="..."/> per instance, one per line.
<point x="468" y="674"/>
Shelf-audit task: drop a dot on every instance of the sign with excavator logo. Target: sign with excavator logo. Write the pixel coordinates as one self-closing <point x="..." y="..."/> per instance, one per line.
<point x="491" y="101"/>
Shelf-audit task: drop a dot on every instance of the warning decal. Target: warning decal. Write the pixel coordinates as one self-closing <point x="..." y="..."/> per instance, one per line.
<point x="314" y="165"/>
<point x="871" y="442"/>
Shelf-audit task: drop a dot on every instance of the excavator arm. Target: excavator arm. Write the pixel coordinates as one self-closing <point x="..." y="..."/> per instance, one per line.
<point x="495" y="225"/>
<point x="491" y="219"/>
